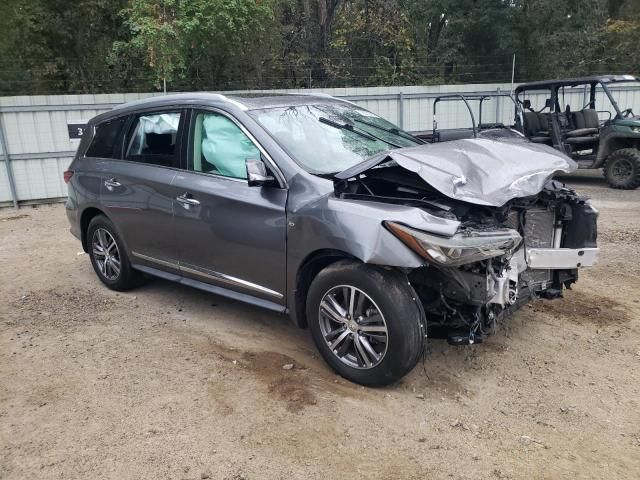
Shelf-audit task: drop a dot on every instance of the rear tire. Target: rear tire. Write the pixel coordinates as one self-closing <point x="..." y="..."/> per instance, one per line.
<point x="109" y="256"/>
<point x="622" y="169"/>
<point x="381" y="340"/>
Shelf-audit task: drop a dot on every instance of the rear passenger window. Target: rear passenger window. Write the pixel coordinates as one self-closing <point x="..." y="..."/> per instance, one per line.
<point x="105" y="142"/>
<point x="153" y="139"/>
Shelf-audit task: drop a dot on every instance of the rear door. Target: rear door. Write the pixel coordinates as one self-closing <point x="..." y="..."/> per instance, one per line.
<point x="230" y="234"/>
<point x="89" y="170"/>
<point x="138" y="193"/>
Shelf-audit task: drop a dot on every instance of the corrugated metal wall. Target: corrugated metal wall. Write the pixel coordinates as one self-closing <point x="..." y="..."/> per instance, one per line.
<point x="37" y="140"/>
<point x="36" y="137"/>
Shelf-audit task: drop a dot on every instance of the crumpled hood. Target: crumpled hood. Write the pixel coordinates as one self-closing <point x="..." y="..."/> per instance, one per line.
<point x="478" y="170"/>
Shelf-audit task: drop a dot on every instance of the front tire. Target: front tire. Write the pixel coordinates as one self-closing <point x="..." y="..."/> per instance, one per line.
<point x="366" y="322"/>
<point x="622" y="169"/>
<point x="109" y="257"/>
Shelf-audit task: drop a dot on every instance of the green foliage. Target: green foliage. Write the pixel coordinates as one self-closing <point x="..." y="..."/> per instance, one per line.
<point x="156" y="36"/>
<point x="466" y="40"/>
<point x="57" y="46"/>
<point x="373" y="43"/>
<point x="173" y="37"/>
<point x="227" y="39"/>
<point x="621" y="36"/>
<point x="571" y="29"/>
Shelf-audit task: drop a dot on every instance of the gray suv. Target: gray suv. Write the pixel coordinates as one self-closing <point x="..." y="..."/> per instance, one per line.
<point x="316" y="208"/>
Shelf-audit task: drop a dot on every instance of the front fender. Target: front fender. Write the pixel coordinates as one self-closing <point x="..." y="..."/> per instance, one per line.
<point x="612" y="139"/>
<point x="355" y="228"/>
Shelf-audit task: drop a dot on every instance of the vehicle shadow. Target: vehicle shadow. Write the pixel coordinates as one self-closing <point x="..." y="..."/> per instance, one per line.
<point x="236" y="322"/>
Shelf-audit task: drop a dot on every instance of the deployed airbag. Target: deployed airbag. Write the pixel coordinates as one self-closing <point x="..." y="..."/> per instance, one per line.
<point x="226" y="147"/>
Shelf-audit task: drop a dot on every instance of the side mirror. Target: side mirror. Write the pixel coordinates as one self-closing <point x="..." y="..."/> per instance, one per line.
<point x="257" y="174"/>
<point x="547" y="103"/>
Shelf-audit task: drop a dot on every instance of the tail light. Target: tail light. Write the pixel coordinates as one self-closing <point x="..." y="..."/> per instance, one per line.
<point x="67" y="175"/>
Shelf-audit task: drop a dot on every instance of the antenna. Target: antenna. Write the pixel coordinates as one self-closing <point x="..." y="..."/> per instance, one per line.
<point x="513" y="72"/>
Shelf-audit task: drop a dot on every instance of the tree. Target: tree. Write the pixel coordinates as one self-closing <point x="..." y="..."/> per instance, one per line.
<point x="52" y="45"/>
<point x="156" y="37"/>
<point x="230" y="43"/>
<point x="466" y="40"/>
<point x="195" y="42"/>
<point x="562" y="38"/>
<point x="305" y="33"/>
<point x="372" y="43"/>
<point x="621" y="36"/>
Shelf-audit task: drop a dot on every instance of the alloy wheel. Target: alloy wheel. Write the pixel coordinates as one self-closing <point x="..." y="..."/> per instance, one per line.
<point x="106" y="254"/>
<point x="353" y="327"/>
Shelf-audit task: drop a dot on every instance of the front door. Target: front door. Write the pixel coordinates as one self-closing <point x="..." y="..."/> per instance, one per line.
<point x="230" y="234"/>
<point x="138" y="193"/>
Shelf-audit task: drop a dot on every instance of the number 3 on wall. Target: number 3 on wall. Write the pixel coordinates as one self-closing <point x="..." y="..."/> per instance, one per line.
<point x="76" y="130"/>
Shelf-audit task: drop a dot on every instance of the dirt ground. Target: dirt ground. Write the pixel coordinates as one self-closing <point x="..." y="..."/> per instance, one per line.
<point x="170" y="382"/>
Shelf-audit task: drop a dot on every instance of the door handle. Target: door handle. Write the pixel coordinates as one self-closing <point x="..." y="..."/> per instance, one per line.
<point x="111" y="184"/>
<point x="187" y="201"/>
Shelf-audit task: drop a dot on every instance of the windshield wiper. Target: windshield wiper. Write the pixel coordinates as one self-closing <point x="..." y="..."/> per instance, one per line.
<point x="351" y="128"/>
<point x="394" y="131"/>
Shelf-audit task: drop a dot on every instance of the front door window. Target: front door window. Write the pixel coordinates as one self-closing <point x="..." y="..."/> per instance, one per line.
<point x="220" y="147"/>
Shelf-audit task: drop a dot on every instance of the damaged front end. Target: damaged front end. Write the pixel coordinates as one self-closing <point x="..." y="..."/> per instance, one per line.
<point x="500" y="256"/>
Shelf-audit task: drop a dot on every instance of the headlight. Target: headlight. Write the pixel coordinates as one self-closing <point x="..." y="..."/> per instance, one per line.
<point x="462" y="248"/>
<point x="635" y="129"/>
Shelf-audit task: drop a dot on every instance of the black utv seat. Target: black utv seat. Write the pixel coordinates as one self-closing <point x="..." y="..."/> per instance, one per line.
<point x="582" y="140"/>
<point x="585" y="123"/>
<point x="584" y="133"/>
<point x="536" y="127"/>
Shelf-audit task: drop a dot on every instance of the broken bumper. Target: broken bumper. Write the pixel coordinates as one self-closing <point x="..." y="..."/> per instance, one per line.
<point x="561" y="258"/>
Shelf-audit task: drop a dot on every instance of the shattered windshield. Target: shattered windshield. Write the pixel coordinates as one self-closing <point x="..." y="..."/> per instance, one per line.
<point x="328" y="138"/>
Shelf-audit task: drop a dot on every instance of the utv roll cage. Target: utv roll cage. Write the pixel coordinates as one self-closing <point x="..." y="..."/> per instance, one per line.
<point x="436" y="135"/>
<point x="592" y="81"/>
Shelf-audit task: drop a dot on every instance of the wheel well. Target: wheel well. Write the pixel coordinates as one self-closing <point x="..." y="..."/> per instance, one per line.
<point x="308" y="270"/>
<point x="617" y="143"/>
<point x="85" y="219"/>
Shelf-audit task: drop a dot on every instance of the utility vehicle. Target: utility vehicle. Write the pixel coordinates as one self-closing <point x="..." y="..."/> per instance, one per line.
<point x="582" y="117"/>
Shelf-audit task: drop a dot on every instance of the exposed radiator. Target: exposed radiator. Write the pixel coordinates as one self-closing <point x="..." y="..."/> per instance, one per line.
<point x="538" y="233"/>
<point x="538" y="228"/>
